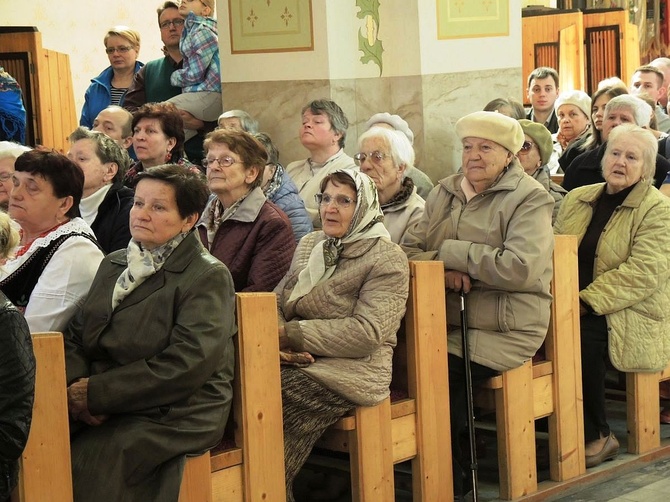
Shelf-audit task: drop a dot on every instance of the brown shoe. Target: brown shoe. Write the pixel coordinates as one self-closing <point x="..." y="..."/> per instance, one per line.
<point x="600" y="450"/>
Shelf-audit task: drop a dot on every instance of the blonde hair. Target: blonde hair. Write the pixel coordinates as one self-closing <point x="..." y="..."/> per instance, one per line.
<point x="129" y="34"/>
<point x="9" y="236"/>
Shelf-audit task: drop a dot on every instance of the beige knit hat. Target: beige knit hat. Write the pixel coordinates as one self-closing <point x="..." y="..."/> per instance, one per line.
<point x="578" y="98"/>
<point x="395" y="121"/>
<point x="541" y="136"/>
<point x="493" y="126"/>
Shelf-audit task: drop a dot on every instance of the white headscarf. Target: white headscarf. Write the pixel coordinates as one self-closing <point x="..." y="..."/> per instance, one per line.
<point x="366" y="223"/>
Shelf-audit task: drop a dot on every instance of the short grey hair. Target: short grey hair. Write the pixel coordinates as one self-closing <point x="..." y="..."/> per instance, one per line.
<point x="248" y="123"/>
<point x="645" y="140"/>
<point x="338" y="120"/>
<point x="402" y="152"/>
<point x="11" y="150"/>
<point x="641" y="110"/>
<point x="106" y="149"/>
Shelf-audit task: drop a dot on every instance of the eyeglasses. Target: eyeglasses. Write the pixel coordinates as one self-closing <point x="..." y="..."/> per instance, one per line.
<point x="5" y="177"/>
<point x="175" y="22"/>
<point x="222" y="161"/>
<point x="375" y="157"/>
<point x="122" y="50"/>
<point x="323" y="199"/>
<point x="527" y="145"/>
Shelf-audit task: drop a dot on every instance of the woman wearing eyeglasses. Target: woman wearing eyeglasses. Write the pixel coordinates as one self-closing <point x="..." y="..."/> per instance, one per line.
<point x="340" y="306"/>
<point x="239" y="226"/>
<point x="122" y="46"/>
<point x="385" y="155"/>
<point x="491" y="227"/>
<point x="534" y="157"/>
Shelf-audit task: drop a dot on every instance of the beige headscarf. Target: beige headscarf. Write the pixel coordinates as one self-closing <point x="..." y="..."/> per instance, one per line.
<point x="367" y="223"/>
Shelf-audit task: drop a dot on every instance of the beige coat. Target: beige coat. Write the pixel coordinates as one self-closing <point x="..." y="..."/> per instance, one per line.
<point x="502" y="238"/>
<point x="631" y="284"/>
<point x="399" y="217"/>
<point x="554" y="189"/>
<point x="349" y="321"/>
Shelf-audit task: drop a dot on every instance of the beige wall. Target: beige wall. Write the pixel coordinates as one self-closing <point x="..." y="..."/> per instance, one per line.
<point x="77" y="28"/>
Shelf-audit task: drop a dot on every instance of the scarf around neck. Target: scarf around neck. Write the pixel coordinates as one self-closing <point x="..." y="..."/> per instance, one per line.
<point x="366" y="223"/>
<point x="142" y="264"/>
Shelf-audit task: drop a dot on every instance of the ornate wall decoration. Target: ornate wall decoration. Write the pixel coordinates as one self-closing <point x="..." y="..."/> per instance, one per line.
<point x="368" y="43"/>
<point x="472" y="18"/>
<point x="270" y="26"/>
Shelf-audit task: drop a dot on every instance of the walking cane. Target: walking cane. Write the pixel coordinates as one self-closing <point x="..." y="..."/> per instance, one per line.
<point x="470" y="403"/>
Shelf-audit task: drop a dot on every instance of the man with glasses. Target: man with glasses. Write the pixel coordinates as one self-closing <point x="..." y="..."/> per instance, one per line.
<point x="152" y="82"/>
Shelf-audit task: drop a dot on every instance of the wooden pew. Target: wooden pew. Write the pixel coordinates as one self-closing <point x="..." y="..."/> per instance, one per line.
<point x="416" y="427"/>
<point x="643" y="409"/>
<point x="551" y="388"/>
<point x="252" y="470"/>
<point x="45" y="472"/>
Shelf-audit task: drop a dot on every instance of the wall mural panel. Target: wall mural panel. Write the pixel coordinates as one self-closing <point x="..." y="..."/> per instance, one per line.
<point x="259" y="26"/>
<point x="472" y="18"/>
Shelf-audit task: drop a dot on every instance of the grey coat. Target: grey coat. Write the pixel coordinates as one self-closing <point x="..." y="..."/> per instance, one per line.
<point x="160" y="365"/>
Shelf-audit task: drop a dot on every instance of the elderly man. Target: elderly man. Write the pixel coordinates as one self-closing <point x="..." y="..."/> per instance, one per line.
<point x="117" y="123"/>
<point x="152" y="82"/>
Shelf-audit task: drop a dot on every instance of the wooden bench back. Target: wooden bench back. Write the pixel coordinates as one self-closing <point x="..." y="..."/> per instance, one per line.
<point x="46" y="472"/>
<point x="253" y="470"/>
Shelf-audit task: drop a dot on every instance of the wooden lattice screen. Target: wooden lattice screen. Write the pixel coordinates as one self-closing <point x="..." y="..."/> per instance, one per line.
<point x="603" y="55"/>
<point x="546" y="54"/>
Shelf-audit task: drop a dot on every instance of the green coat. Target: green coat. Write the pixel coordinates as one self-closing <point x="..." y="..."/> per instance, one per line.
<point x="632" y="267"/>
<point x="160" y="365"/>
<point x="502" y="238"/>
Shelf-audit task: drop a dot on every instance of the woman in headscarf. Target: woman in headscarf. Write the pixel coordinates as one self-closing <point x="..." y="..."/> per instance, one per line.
<point x="340" y="305"/>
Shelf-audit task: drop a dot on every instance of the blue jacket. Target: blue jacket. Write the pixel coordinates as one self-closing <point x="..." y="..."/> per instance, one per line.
<point x="289" y="201"/>
<point x="99" y="95"/>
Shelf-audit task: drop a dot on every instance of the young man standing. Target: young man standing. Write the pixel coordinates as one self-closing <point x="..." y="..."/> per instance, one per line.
<point x="649" y="80"/>
<point x="542" y="93"/>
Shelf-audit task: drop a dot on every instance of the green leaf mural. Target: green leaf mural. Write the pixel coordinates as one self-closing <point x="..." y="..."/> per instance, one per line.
<point x="368" y="43"/>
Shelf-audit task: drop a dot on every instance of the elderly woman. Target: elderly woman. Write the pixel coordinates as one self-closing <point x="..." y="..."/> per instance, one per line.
<point x="147" y="402"/>
<point x="338" y="317"/>
<point x="106" y="202"/>
<point x="279" y="189"/>
<point x="248" y="233"/>
<point x="594" y="139"/>
<point x="237" y="120"/>
<point x="534" y="156"/>
<point x="58" y="255"/>
<point x="17" y="376"/>
<point x="323" y="131"/>
<point x="420" y="179"/>
<point x="9" y="152"/>
<point x="573" y="109"/>
<point x="158" y="138"/>
<point x="623" y="227"/>
<point x="586" y="168"/>
<point x="122" y="46"/>
<point x="491" y="226"/>
<point x="384" y="155"/>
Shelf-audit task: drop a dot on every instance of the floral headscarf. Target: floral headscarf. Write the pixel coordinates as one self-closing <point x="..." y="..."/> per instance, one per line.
<point x="366" y="223"/>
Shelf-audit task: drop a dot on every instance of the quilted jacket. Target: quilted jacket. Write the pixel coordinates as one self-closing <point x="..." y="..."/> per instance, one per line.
<point x="631" y="284"/>
<point x="349" y="321"/>
<point x="502" y="239"/>
<point x="17" y="374"/>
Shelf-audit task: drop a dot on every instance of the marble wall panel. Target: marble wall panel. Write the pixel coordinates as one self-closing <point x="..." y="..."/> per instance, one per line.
<point x="431" y="104"/>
